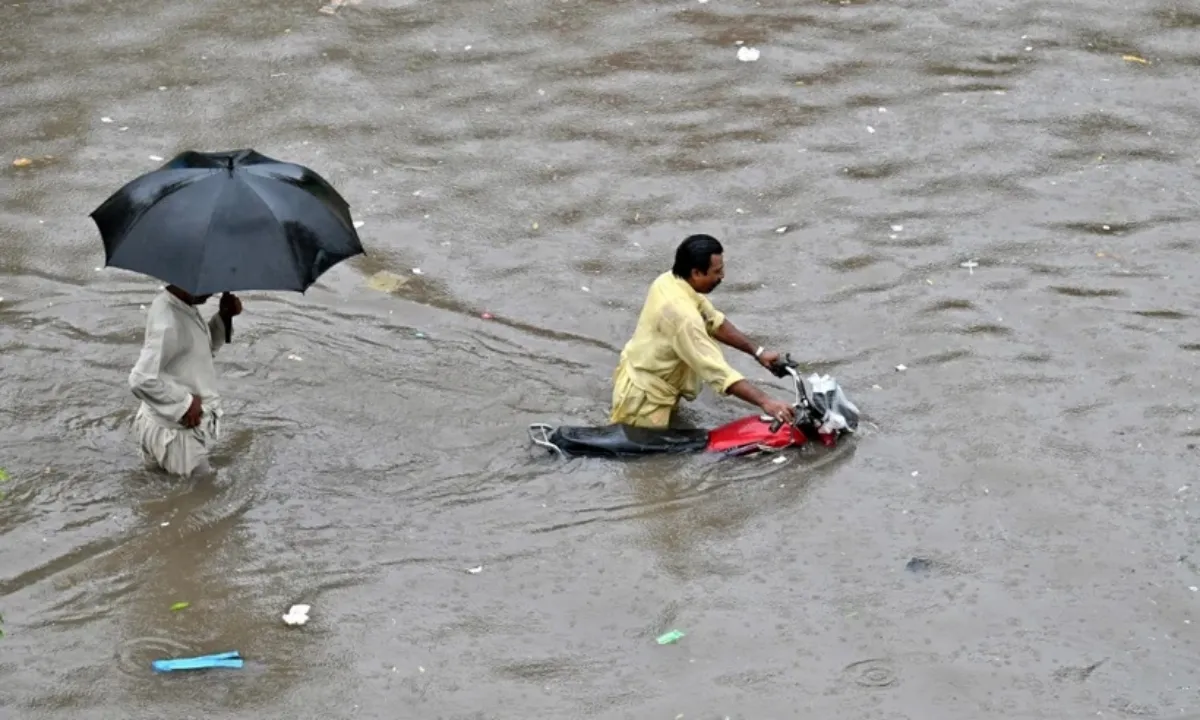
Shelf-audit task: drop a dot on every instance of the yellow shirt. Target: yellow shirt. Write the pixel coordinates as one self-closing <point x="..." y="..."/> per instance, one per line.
<point x="672" y="350"/>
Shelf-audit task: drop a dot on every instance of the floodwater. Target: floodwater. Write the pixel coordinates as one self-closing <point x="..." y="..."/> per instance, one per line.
<point x="1002" y="197"/>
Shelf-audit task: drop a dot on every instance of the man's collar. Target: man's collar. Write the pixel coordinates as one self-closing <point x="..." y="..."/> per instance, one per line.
<point x="687" y="286"/>
<point x="178" y="301"/>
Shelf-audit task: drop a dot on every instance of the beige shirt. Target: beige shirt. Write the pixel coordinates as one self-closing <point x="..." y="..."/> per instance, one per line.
<point x="672" y="351"/>
<point x="177" y="360"/>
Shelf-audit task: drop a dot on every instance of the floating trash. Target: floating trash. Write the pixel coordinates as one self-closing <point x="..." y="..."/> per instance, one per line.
<point x="358" y="224"/>
<point x="918" y="565"/>
<point x="670" y="637"/>
<point x="231" y="659"/>
<point x="22" y="162"/>
<point x="475" y="570"/>
<point x="297" y="615"/>
<point x="176" y="607"/>
<point x="901" y="368"/>
<point x="387" y="281"/>
<point x="333" y="6"/>
<point x="748" y="54"/>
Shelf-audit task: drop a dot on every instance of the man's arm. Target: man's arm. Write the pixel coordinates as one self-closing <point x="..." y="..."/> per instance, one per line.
<point x="216" y="332"/>
<point x="701" y="353"/>
<point x="746" y="391"/>
<point x="220" y="325"/>
<point x="731" y="336"/>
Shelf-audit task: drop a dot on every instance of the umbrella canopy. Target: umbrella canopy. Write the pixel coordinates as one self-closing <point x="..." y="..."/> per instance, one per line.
<point x="228" y="221"/>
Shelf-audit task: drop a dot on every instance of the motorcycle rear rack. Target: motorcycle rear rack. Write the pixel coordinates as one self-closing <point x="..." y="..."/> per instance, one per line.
<point x="539" y="434"/>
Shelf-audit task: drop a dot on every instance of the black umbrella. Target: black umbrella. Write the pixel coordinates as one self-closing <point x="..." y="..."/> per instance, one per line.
<point x="226" y="221"/>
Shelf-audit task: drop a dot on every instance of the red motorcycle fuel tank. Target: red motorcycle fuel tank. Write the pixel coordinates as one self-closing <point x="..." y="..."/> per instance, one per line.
<point x="750" y="432"/>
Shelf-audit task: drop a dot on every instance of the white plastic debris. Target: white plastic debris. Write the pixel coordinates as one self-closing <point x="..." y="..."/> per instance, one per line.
<point x="781" y="229"/>
<point x="156" y="158"/>
<point x="870" y="129"/>
<point x="475" y="570"/>
<point x="779" y="460"/>
<point x="297" y="615"/>
<point x="106" y="119"/>
<point x="916" y="473"/>
<point x="358" y="224"/>
<point x="297" y="358"/>
<point x="897" y="228"/>
<point x="901" y="368"/>
<point x="970" y="265"/>
<point x="747" y="54"/>
<point x="333" y="6"/>
<point x="418" y="271"/>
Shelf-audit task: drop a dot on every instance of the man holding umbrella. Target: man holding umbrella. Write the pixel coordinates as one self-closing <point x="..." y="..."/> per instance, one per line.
<point x="207" y="223"/>
<point x="174" y="377"/>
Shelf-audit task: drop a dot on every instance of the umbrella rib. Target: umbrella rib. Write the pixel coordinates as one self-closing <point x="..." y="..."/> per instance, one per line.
<point x="207" y="230"/>
<point x="297" y="266"/>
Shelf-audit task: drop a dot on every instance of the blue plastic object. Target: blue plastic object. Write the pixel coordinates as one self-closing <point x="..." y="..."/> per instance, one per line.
<point x="220" y="660"/>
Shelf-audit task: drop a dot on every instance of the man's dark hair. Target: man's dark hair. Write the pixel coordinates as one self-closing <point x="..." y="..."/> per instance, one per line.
<point x="695" y="253"/>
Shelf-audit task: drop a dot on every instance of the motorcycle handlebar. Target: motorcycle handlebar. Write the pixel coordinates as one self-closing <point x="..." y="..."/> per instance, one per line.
<point x="782" y="368"/>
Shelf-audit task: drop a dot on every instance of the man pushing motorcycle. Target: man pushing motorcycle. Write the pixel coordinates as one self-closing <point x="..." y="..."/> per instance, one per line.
<point x="673" y="348"/>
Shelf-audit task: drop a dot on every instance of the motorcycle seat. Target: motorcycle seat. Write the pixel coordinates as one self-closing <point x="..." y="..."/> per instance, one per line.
<point x="624" y="440"/>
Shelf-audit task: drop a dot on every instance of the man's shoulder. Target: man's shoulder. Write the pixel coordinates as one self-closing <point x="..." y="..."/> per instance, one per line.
<point x="663" y="279"/>
<point x="163" y="308"/>
<point x="161" y="301"/>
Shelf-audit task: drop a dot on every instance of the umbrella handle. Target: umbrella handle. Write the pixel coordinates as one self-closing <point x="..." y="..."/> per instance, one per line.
<point x="228" y="323"/>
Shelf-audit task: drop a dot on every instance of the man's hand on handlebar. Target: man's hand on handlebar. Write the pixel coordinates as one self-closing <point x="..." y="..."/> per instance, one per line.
<point x="769" y="359"/>
<point x="781" y="411"/>
<point x="778" y="364"/>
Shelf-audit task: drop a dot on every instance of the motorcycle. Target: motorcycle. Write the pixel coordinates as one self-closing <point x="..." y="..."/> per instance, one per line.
<point x="823" y="414"/>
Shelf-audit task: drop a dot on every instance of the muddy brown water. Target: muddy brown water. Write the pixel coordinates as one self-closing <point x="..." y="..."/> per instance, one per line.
<point x="538" y="160"/>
